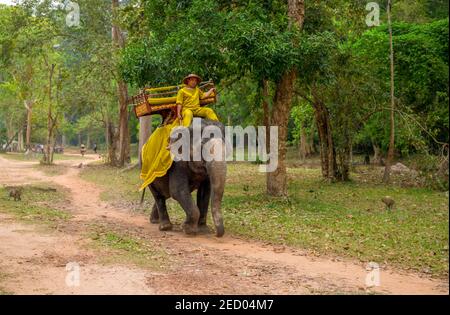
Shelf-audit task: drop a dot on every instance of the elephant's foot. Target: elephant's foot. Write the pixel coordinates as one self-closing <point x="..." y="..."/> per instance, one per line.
<point x="165" y="226"/>
<point x="201" y="221"/>
<point x="154" y="216"/>
<point x="220" y="230"/>
<point x="204" y="229"/>
<point x="190" y="229"/>
<point x="154" y="220"/>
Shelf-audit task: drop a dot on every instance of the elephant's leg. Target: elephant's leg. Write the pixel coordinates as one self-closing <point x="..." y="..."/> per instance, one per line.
<point x="203" y="196"/>
<point x="160" y="203"/>
<point x="190" y="225"/>
<point x="164" y="220"/>
<point x="154" y="216"/>
<point x="217" y="171"/>
<point x="180" y="192"/>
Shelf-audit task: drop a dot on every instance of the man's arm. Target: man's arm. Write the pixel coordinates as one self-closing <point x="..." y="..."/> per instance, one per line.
<point x="179" y="111"/>
<point x="208" y="94"/>
<point x="179" y="104"/>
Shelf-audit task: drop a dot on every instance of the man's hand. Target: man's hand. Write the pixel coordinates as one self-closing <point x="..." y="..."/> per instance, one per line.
<point x="179" y="116"/>
<point x="208" y="94"/>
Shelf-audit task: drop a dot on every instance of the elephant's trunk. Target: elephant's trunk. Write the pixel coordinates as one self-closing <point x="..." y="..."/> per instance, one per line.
<point x="217" y="171"/>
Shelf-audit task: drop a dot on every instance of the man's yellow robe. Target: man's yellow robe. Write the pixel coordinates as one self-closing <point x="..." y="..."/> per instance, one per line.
<point x="189" y="99"/>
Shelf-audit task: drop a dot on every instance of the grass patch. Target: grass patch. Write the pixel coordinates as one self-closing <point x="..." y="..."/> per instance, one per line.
<point x="35" y="157"/>
<point x="344" y="219"/>
<point x="51" y="170"/>
<point x="123" y="247"/>
<point x="3" y="277"/>
<point x="39" y="205"/>
<point x="120" y="188"/>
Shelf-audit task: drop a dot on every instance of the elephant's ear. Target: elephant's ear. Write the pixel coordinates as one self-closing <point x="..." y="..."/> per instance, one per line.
<point x="214" y="150"/>
<point x="213" y="144"/>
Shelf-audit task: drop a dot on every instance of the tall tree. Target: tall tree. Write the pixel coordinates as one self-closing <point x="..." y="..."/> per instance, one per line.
<point x="277" y="181"/>
<point x="52" y="118"/>
<point x="122" y="92"/>
<point x="390" y="155"/>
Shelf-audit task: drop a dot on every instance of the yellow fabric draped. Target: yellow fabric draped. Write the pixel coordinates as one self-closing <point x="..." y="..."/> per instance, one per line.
<point x="156" y="158"/>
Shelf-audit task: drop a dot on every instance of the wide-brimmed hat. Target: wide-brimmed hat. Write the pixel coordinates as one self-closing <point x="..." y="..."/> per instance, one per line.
<point x="192" y="76"/>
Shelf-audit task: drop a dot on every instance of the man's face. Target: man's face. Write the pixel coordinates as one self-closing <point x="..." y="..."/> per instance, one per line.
<point x="192" y="82"/>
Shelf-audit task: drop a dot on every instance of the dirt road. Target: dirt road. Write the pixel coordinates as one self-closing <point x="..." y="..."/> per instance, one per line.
<point x="34" y="261"/>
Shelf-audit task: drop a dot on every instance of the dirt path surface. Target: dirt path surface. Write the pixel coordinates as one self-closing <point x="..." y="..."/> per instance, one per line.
<point x="33" y="261"/>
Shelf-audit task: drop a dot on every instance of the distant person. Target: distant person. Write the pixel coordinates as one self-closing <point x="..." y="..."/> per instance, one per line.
<point x="95" y="148"/>
<point x="82" y="149"/>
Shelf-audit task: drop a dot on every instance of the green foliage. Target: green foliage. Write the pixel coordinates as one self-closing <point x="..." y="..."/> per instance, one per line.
<point x="240" y="103"/>
<point x="36" y="36"/>
<point x="211" y="39"/>
<point x="303" y="116"/>
<point x="421" y="71"/>
<point x="419" y="11"/>
<point x="238" y="44"/>
<point x="193" y="45"/>
<point x="337" y="58"/>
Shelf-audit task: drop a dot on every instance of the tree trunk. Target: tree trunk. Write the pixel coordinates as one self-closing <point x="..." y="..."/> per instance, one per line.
<point x="277" y="181"/>
<point x="107" y="140"/>
<point x="296" y="13"/>
<point x="122" y="92"/>
<point x="327" y="149"/>
<point x="29" y="106"/>
<point x="266" y="111"/>
<point x="88" y="141"/>
<point x="376" y="154"/>
<point x="350" y="145"/>
<point x="10" y="130"/>
<point x="303" y="145"/>
<point x="312" y="149"/>
<point x="8" y="142"/>
<point x="111" y="141"/>
<point x="145" y="130"/>
<point x="344" y="162"/>
<point x="443" y="171"/>
<point x="124" y="135"/>
<point x="48" y="151"/>
<point x="390" y="155"/>
<point x="20" y="140"/>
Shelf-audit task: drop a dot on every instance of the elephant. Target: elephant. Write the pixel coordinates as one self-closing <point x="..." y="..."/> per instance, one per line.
<point x="185" y="176"/>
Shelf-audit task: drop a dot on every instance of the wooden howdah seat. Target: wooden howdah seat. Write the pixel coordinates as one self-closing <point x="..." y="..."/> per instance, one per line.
<point x="162" y="101"/>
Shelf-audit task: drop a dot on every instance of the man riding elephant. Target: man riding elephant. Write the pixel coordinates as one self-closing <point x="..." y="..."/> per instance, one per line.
<point x="188" y="101"/>
<point x="177" y="179"/>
